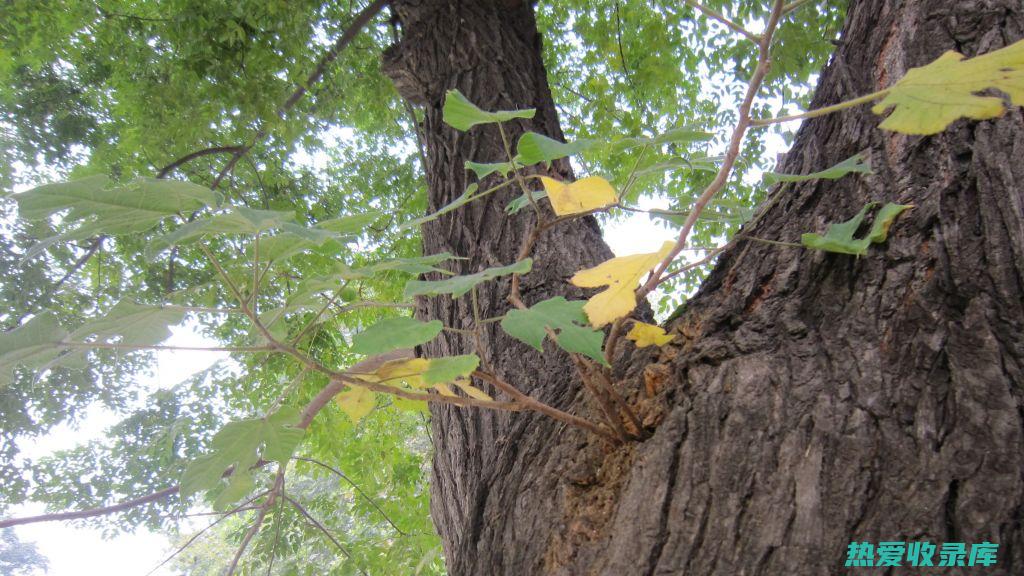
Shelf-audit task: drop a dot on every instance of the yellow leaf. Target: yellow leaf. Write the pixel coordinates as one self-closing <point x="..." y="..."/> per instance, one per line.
<point x="398" y="371"/>
<point x="580" y="196"/>
<point x="621" y="276"/>
<point x="648" y="335"/>
<point x="472" y="390"/>
<point x="928" y="99"/>
<point x="444" y="389"/>
<point x="356" y="402"/>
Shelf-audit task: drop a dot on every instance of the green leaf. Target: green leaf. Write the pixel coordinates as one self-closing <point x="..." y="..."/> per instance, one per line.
<point x="352" y="224"/>
<point x="534" y="148"/>
<point x="415" y="265"/>
<point x="696" y="164"/>
<point x="522" y="201"/>
<point x="485" y="169"/>
<point x="465" y="198"/>
<point x="236" y="220"/>
<point x="565" y="317"/>
<point x="460" y="285"/>
<point x="839" y="237"/>
<point x="239" y="485"/>
<point x="461" y="114"/>
<point x="394" y="333"/>
<point x="930" y="98"/>
<point x="131" y="323"/>
<point x="856" y="163"/>
<point x="239" y="446"/>
<point x="679" y="134"/>
<point x="31" y="345"/>
<point x="449" y="368"/>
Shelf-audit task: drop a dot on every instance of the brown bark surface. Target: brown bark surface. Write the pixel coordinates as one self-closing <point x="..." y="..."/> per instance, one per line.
<point x="809" y="399"/>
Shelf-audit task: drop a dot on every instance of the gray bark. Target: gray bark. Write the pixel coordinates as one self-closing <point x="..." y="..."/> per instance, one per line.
<point x="809" y="399"/>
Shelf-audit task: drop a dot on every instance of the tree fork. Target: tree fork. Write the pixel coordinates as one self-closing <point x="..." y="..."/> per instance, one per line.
<point x="810" y="399"/>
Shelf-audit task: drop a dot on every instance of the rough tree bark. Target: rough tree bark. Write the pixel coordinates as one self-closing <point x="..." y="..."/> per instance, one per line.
<point x="809" y="399"/>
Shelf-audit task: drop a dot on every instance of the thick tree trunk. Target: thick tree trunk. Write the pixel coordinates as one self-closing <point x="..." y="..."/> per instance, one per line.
<point x="809" y="399"/>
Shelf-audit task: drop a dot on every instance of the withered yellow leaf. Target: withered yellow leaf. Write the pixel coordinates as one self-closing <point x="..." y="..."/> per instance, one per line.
<point x="648" y="335"/>
<point x="928" y="99"/>
<point x="356" y="402"/>
<point x="444" y="389"/>
<point x="582" y="195"/>
<point x="396" y="372"/>
<point x="621" y="276"/>
<point x="472" y="390"/>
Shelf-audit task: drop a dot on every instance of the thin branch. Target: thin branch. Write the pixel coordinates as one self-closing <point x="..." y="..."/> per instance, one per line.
<point x="354" y="485"/>
<point x="244" y="506"/>
<point x="196" y="155"/>
<point x="865" y="99"/>
<point x="316" y="523"/>
<point x="119" y="346"/>
<point x="725" y="21"/>
<point x="92" y="512"/>
<point x="260" y="516"/>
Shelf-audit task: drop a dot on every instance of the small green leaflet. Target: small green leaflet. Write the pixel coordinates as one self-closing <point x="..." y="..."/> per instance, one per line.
<point x="522" y="201"/>
<point x="680" y="134"/>
<point x="32" y="345"/>
<point x="460" y="285"/>
<point x="485" y="169"/>
<point x="839" y="237"/>
<point x="461" y="114"/>
<point x="465" y="198"/>
<point x="534" y="148"/>
<point x="415" y="265"/>
<point x="856" y="163"/>
<point x="450" y="368"/>
<point x="565" y="317"/>
<point x="394" y="333"/>
<point x="696" y="164"/>
<point x="238" y="446"/>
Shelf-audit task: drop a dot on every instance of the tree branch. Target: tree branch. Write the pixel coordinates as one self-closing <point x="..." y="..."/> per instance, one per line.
<point x="354" y="485"/>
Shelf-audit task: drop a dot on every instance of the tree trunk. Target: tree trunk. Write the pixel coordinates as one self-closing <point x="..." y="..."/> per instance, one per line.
<point x="809" y="399"/>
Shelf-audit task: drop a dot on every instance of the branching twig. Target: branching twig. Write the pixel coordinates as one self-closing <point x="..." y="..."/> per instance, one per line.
<point x="354" y="485"/>
<point x="725" y="21"/>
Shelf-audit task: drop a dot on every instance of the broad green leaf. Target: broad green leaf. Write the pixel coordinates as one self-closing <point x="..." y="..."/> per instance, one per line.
<point x="236" y="220"/>
<point x="461" y="114"/>
<point x="856" y="163"/>
<point x="238" y="446"/>
<point x="522" y="201"/>
<point x="465" y="198"/>
<point x="144" y="200"/>
<point x="621" y="276"/>
<point x="648" y="335"/>
<point x="32" y="345"/>
<point x="930" y="98"/>
<point x="459" y="285"/>
<point x="582" y="195"/>
<point x="131" y="323"/>
<point x="534" y="148"/>
<point x="485" y="169"/>
<point x="450" y="368"/>
<point x="565" y="317"/>
<point x="839" y="237"/>
<point x="356" y="402"/>
<point x="415" y="265"/>
<point x="239" y="485"/>
<point x="394" y="333"/>
<point x="352" y="224"/>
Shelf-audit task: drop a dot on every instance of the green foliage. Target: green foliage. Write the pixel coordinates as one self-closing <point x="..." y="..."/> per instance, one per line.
<point x="840" y="236"/>
<point x="450" y="368"/>
<point x="565" y="318"/>
<point x="394" y="333"/>
<point x="535" y="148"/>
<point x="854" y="164"/>
<point x="460" y="285"/>
<point x="461" y="114"/>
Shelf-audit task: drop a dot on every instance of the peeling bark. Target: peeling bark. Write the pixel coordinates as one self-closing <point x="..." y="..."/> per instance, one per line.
<point x="809" y="399"/>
